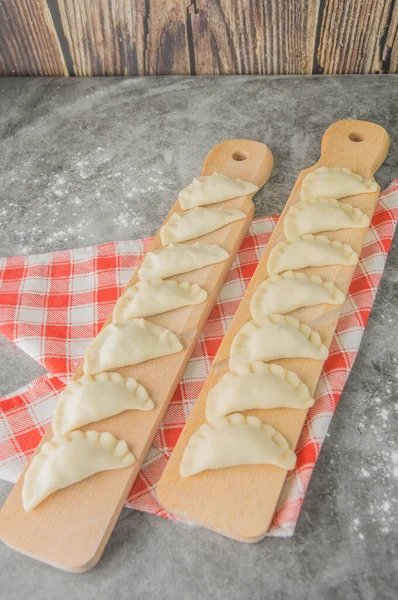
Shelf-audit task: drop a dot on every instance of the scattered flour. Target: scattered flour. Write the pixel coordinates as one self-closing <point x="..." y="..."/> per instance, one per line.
<point x="380" y="505"/>
<point x="64" y="201"/>
<point x="385" y="530"/>
<point x="394" y="458"/>
<point x="82" y="167"/>
<point x="386" y="506"/>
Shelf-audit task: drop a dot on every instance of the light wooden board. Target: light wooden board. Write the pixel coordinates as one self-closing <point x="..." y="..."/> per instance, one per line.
<point x="239" y="502"/>
<point x="70" y="529"/>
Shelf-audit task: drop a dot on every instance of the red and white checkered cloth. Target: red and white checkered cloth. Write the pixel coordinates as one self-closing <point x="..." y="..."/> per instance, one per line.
<point x="52" y="305"/>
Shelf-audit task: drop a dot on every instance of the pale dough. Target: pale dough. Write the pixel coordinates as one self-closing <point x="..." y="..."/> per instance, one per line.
<point x="197" y="222"/>
<point x="256" y="385"/>
<point x="68" y="459"/>
<point x="322" y="214"/>
<point x="276" y="337"/>
<point x="93" y="398"/>
<point x="214" y="188"/>
<point x="129" y="343"/>
<point x="235" y="440"/>
<point x="287" y="292"/>
<point x="309" y="251"/>
<point x="180" y="258"/>
<point x="152" y="297"/>
<point x="334" y="182"/>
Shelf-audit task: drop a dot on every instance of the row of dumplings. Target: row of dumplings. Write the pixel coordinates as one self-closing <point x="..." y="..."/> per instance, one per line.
<point x="254" y="382"/>
<point x="73" y="455"/>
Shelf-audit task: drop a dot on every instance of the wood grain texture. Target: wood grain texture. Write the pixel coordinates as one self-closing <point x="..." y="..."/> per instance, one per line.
<point x="105" y="37"/>
<point x="253" y="36"/>
<point x="240" y="502"/>
<point x="351" y="35"/>
<point x="390" y="47"/>
<point x="54" y="531"/>
<point x="126" y="37"/>
<point x="167" y="51"/>
<point x="203" y="37"/>
<point x="28" y="41"/>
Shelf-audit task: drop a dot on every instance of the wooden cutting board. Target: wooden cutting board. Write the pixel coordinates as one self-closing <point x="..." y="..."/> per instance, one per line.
<point x="239" y="502"/>
<point x="69" y="530"/>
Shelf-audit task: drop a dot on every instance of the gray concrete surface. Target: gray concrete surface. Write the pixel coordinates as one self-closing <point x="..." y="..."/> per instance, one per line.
<point x="88" y="161"/>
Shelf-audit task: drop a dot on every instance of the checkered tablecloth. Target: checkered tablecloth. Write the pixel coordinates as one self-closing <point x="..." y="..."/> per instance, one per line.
<point x="52" y="305"/>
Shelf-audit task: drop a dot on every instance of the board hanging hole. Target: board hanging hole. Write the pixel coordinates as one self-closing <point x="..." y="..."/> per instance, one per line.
<point x="355" y="137"/>
<point x="240" y="155"/>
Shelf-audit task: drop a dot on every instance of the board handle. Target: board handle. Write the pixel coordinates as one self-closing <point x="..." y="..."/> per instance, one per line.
<point x="342" y="139"/>
<point x="236" y="158"/>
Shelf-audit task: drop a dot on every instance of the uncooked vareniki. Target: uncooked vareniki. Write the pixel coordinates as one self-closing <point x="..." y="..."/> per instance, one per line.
<point x="256" y="385"/>
<point x="214" y="188"/>
<point x="235" y="440"/>
<point x="335" y="182"/>
<point x="309" y="251"/>
<point x="287" y="292"/>
<point x="322" y="214"/>
<point x="197" y="222"/>
<point x="68" y="459"/>
<point x="152" y="297"/>
<point x="276" y="337"/>
<point x="180" y="258"/>
<point x="129" y="343"/>
<point x="93" y="398"/>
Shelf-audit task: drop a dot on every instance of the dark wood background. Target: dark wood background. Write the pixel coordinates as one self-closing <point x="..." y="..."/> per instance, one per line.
<point x="198" y="37"/>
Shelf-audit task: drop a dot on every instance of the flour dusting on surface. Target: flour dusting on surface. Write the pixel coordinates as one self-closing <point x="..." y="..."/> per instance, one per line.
<point x="58" y="212"/>
<point x="380" y="471"/>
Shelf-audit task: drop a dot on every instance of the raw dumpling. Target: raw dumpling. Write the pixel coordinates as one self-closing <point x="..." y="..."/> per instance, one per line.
<point x="235" y="440"/>
<point x="216" y="188"/>
<point x="322" y="214"/>
<point x="147" y="298"/>
<point x="336" y="183"/>
<point x="197" y="222"/>
<point x="289" y="291"/>
<point x="276" y="337"/>
<point x="71" y="458"/>
<point x="175" y="259"/>
<point x="309" y="251"/>
<point x="90" y="399"/>
<point x="130" y="343"/>
<point x="256" y="385"/>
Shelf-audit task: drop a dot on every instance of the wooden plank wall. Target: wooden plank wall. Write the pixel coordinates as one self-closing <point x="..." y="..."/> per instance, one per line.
<point x="197" y="37"/>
